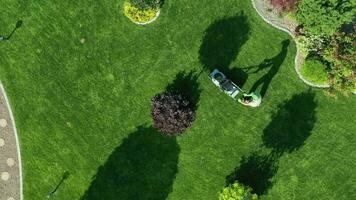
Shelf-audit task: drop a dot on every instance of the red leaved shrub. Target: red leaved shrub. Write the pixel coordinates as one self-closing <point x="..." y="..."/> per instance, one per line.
<point x="285" y="5"/>
<point x="171" y="113"/>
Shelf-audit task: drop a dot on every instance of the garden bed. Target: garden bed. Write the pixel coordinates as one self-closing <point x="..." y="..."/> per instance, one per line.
<point x="284" y="23"/>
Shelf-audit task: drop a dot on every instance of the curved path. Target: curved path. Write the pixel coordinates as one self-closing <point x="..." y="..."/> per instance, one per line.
<point x="285" y="24"/>
<point x="10" y="159"/>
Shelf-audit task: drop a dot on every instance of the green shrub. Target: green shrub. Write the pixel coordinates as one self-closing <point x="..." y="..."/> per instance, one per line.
<point x="322" y="23"/>
<point x="237" y="191"/>
<point x="138" y="15"/>
<point x="325" y="17"/>
<point x="314" y="71"/>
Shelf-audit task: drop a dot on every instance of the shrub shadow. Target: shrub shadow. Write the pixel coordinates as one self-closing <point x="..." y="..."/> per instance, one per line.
<point x="292" y="124"/>
<point x="187" y="85"/>
<point x="142" y="167"/>
<point x="256" y="172"/>
<point x="237" y="75"/>
<point x="221" y="44"/>
<point x="273" y="64"/>
<point x="161" y="3"/>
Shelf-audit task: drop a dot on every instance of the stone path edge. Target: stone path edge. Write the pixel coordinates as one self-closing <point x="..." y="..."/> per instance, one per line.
<point x="298" y="58"/>
<point x="2" y="90"/>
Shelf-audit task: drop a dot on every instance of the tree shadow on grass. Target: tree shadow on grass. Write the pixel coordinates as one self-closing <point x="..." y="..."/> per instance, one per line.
<point x="221" y="44"/>
<point x="187" y="85"/>
<point x="237" y="75"/>
<point x="273" y="64"/>
<point x="256" y="172"/>
<point x="142" y="167"/>
<point x="292" y="124"/>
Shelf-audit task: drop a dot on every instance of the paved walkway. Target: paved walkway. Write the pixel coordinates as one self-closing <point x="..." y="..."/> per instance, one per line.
<point x="271" y="16"/>
<point x="10" y="159"/>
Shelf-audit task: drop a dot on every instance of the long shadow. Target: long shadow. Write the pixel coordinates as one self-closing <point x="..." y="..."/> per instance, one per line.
<point x="187" y="85"/>
<point x="161" y="3"/>
<point x="17" y="26"/>
<point x="291" y="124"/>
<point x="221" y="44"/>
<point x="273" y="64"/>
<point x="143" y="167"/>
<point x="255" y="171"/>
<point x="64" y="177"/>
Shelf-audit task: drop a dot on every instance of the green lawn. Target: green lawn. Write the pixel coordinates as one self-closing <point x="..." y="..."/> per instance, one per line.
<point x="85" y="108"/>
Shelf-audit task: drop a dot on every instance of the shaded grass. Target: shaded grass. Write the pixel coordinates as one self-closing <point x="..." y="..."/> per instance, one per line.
<point x="221" y="44"/>
<point x="75" y="103"/>
<point x="272" y="65"/>
<point x="291" y="124"/>
<point x="256" y="171"/>
<point x="142" y="167"/>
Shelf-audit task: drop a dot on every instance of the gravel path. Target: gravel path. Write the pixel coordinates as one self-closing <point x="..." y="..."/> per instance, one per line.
<point x="272" y="17"/>
<point x="10" y="160"/>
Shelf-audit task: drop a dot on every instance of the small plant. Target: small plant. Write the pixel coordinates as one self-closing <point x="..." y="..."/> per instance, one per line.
<point x="237" y="191"/>
<point x="141" y="11"/>
<point x="171" y="113"/>
<point x="314" y="71"/>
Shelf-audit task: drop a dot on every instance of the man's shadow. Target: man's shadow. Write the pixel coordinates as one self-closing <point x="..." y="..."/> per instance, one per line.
<point x="274" y="65"/>
<point x="221" y="44"/>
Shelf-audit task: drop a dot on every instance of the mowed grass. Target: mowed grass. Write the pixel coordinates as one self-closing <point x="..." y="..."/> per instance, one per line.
<point x="80" y="107"/>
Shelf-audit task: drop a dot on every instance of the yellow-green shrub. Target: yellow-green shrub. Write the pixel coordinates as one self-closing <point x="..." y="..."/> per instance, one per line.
<point x="314" y="71"/>
<point x="237" y="191"/>
<point x="137" y="15"/>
